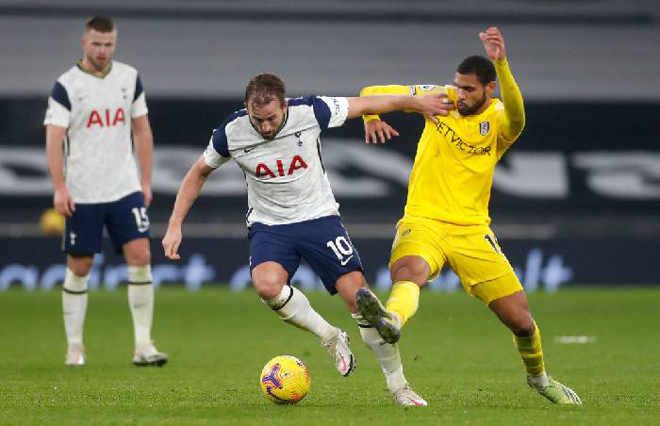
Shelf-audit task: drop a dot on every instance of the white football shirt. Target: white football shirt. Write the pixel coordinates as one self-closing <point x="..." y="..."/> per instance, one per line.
<point x="285" y="176"/>
<point x="97" y="113"/>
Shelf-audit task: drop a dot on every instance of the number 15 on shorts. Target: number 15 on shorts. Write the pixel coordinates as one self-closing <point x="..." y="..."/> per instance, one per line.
<point x="342" y="248"/>
<point x="141" y="219"/>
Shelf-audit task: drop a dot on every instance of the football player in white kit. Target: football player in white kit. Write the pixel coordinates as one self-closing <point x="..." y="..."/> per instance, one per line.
<point x="292" y="212"/>
<point x="92" y="110"/>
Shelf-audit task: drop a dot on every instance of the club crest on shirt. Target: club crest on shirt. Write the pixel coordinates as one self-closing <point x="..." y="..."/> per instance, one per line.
<point x="484" y="128"/>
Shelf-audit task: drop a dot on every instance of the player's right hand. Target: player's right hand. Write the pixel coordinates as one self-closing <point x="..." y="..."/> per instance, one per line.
<point x="63" y="202"/>
<point x="494" y="44"/>
<point x="435" y="104"/>
<point x="171" y="242"/>
<point x="377" y="129"/>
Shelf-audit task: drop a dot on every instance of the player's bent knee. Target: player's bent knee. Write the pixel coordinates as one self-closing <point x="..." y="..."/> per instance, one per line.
<point x="522" y="325"/>
<point x="137" y="253"/>
<point x="411" y="268"/>
<point x="80" y="270"/>
<point x="267" y="289"/>
<point x="268" y="280"/>
<point x="137" y="257"/>
<point x="80" y="265"/>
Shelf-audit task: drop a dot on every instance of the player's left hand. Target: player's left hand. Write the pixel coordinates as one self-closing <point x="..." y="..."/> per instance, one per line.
<point x="146" y="193"/>
<point x="494" y="44"/>
<point x="377" y="129"/>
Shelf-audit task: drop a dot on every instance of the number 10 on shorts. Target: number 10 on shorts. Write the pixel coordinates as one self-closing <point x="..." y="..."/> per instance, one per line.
<point x="341" y="248"/>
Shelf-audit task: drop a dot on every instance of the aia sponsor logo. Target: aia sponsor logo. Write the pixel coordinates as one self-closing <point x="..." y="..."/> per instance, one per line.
<point x="106" y="118"/>
<point x="263" y="170"/>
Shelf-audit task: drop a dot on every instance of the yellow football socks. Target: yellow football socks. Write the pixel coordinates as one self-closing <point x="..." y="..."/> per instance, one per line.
<point x="530" y="352"/>
<point x="403" y="300"/>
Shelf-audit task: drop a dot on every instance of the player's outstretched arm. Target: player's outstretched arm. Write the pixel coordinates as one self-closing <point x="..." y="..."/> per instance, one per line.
<point x="429" y="105"/>
<point x="190" y="188"/>
<point x="62" y="200"/>
<point x="381" y="128"/>
<point x="514" y="109"/>
<point x="144" y="148"/>
<point x="375" y="129"/>
<point x="370" y="106"/>
<point x="403" y="90"/>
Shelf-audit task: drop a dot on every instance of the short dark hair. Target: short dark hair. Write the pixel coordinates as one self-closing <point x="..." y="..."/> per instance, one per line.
<point x="265" y="88"/>
<point x="480" y="66"/>
<point x="100" y="23"/>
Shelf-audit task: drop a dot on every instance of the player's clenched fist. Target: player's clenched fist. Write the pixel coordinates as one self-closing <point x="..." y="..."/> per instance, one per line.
<point x="171" y="242"/>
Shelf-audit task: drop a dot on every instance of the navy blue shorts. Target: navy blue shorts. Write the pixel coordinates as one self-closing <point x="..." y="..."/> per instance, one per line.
<point x="125" y="219"/>
<point x="323" y="243"/>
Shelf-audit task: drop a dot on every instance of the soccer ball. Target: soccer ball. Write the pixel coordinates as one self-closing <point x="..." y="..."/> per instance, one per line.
<point x="285" y="380"/>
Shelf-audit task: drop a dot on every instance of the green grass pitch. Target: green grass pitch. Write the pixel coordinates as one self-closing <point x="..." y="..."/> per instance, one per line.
<point x="455" y="354"/>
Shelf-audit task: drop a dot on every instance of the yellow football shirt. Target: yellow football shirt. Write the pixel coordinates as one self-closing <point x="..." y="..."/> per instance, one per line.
<point x="452" y="175"/>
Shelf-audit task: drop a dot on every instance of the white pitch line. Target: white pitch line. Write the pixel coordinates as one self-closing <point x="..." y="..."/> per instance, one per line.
<point x="575" y="339"/>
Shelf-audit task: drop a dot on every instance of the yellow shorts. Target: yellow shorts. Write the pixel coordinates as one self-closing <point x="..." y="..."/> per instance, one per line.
<point x="471" y="251"/>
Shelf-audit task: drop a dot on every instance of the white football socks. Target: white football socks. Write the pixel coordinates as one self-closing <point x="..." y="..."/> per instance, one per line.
<point x="387" y="355"/>
<point x="141" y="301"/>
<point x="293" y="307"/>
<point x="74" y="306"/>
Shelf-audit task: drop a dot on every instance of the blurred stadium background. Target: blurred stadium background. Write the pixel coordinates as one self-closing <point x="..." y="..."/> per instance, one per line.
<point x="575" y="202"/>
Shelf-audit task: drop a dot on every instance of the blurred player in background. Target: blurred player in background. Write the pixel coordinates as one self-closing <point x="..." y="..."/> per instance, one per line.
<point x="446" y="215"/>
<point x="92" y="111"/>
<point x="292" y="212"/>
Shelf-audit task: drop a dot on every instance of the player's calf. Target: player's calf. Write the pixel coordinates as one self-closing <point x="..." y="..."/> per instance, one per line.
<point x="269" y="279"/>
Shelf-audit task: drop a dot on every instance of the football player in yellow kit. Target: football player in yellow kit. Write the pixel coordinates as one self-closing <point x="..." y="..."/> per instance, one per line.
<point x="446" y="217"/>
